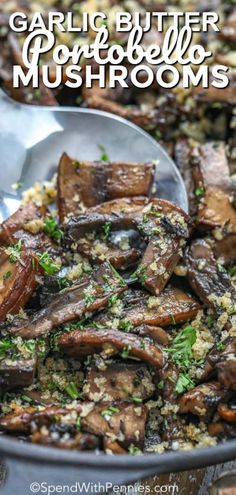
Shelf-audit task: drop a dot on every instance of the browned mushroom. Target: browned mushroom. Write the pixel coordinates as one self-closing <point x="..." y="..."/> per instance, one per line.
<point x="18" y="273"/>
<point x="227" y="412"/>
<point x="170" y="307"/>
<point x="80" y="441"/>
<point x="208" y="280"/>
<point x="202" y="400"/>
<point x="121" y="421"/>
<point x="164" y="225"/>
<point x="90" y="183"/>
<point x="228" y="31"/>
<point x="17" y="373"/>
<point x="109" y="343"/>
<point x="118" y="381"/>
<point x="90" y="295"/>
<point x="12" y="229"/>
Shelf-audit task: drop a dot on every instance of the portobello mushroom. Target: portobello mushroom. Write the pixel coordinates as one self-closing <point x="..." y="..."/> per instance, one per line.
<point x="202" y="400"/>
<point x="209" y="280"/>
<point x="90" y="183"/>
<point x="109" y="343"/>
<point x="119" y="421"/>
<point x="165" y="226"/>
<point x="118" y="381"/>
<point x="171" y="307"/>
<point x="90" y="295"/>
<point x="18" y="278"/>
<point x="215" y="192"/>
<point x="12" y="229"/>
<point x="17" y="373"/>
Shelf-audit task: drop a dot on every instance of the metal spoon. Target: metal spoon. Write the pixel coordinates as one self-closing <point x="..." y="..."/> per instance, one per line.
<point x="33" y="138"/>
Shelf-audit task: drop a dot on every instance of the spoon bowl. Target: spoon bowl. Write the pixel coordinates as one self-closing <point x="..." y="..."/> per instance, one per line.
<point x="32" y="140"/>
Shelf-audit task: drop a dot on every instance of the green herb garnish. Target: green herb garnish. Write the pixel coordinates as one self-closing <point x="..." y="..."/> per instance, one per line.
<point x="184" y="382"/>
<point x="72" y="390"/>
<point x="6" y="275"/>
<point x="103" y="156"/>
<point x="106" y="230"/>
<point x="14" y="251"/>
<point x="110" y="411"/>
<point x="52" y="229"/>
<point x="47" y="264"/>
<point x="199" y="192"/>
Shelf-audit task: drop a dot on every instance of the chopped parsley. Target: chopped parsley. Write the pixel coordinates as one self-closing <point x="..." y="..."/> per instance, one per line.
<point x="76" y="164"/>
<point x="181" y="350"/>
<point x="47" y="263"/>
<point x="14" y="251"/>
<point x="52" y="229"/>
<point x="126" y="352"/>
<point x="18" y="185"/>
<point x="5" y="345"/>
<point x="126" y="325"/>
<point x="181" y="346"/>
<point x="110" y="411"/>
<point x="89" y="297"/>
<point x="103" y="156"/>
<point x="72" y="391"/>
<point x="133" y="450"/>
<point x="199" y="192"/>
<point x="106" y="230"/>
<point x="7" y="275"/>
<point x="232" y="271"/>
<point x="184" y="383"/>
<point x="78" y="423"/>
<point x="138" y="400"/>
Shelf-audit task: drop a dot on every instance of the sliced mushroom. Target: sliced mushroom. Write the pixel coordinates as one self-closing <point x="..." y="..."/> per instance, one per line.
<point x="92" y="294"/>
<point x="202" y="400"/>
<point x="228" y="31"/>
<point x="17" y="279"/>
<point x="92" y="183"/>
<point x="214" y="188"/>
<point x="12" y="229"/>
<point x="170" y="307"/>
<point x="210" y="282"/>
<point x="227" y="412"/>
<point x="226" y="365"/>
<point x="119" y="381"/>
<point x="80" y="441"/>
<point x="109" y="343"/>
<point x="164" y="225"/>
<point x="119" y="421"/>
<point x="17" y="373"/>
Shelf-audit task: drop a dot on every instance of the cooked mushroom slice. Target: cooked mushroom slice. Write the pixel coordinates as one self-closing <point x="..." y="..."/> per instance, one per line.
<point x="155" y="333"/>
<point x="17" y="373"/>
<point x="172" y="306"/>
<point x="92" y="294"/>
<point x="12" y="229"/>
<point x="220" y="353"/>
<point x="164" y="225"/>
<point x="98" y="250"/>
<point x="92" y="183"/>
<point x="227" y="412"/>
<point x="18" y="271"/>
<point x="28" y="419"/>
<point x="111" y="447"/>
<point x="183" y="153"/>
<point x="226" y="365"/>
<point x="202" y="400"/>
<point x="207" y="279"/>
<point x="120" y="421"/>
<point x="80" y="441"/>
<point x="215" y="192"/>
<point x="168" y="378"/>
<point x="109" y="343"/>
<point x="119" y="381"/>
